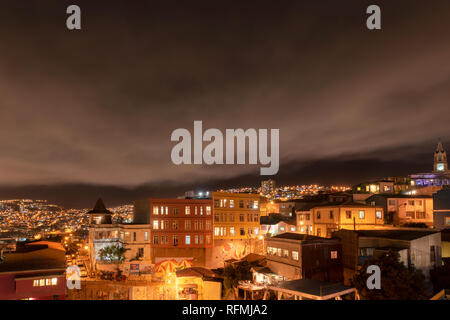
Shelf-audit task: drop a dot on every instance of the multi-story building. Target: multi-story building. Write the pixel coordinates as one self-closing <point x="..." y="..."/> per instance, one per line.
<point x="403" y="209"/>
<point x="181" y="223"/>
<point x="182" y="229"/>
<point x="236" y="215"/>
<point x="304" y="219"/>
<point x="35" y="271"/>
<point x="441" y="210"/>
<point x="298" y="256"/>
<point x="132" y="240"/>
<point x="420" y="248"/>
<point x="328" y="218"/>
<point x="268" y="188"/>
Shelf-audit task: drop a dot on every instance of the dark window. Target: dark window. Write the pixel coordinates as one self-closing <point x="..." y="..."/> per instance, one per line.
<point x="432" y="254"/>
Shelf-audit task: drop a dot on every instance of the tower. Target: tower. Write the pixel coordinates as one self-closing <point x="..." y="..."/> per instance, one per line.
<point x="100" y="215"/>
<point x="440" y="159"/>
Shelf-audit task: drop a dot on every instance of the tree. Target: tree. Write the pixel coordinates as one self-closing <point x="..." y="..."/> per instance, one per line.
<point x="112" y="252"/>
<point x="240" y="271"/>
<point x="398" y="282"/>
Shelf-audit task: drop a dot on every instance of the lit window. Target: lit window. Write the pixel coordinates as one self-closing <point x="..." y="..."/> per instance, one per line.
<point x="295" y="255"/>
<point x="379" y="214"/>
<point x="188" y="239"/>
<point x="232" y="231"/>
<point x="257" y="231"/>
<point x="155" y="224"/>
<point x="155" y="210"/>
<point x="255" y="204"/>
<point x="216" y="231"/>
<point x="187" y="210"/>
<point x="35" y="283"/>
<point x="334" y="254"/>
<point x="42" y="282"/>
<point x="54" y="281"/>
<point x="146" y="236"/>
<point x="201" y="210"/>
<point x="231" y="203"/>
<point x="361" y="214"/>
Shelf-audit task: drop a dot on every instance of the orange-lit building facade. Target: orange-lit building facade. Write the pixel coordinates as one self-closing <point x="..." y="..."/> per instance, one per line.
<point x="236" y="215"/>
<point x="181" y="223"/>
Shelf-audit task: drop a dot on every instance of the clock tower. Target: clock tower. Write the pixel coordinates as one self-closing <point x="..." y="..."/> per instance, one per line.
<point x="440" y="159"/>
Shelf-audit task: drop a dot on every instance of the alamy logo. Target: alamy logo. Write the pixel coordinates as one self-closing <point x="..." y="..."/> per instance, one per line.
<point x="213" y="153"/>
<point x="73" y="276"/>
<point x="374" y="281"/>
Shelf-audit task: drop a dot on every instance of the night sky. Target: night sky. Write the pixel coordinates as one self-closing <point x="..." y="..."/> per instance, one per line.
<point x="90" y="112"/>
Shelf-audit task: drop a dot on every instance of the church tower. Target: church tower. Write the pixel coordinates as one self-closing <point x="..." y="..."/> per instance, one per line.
<point x="440" y="159"/>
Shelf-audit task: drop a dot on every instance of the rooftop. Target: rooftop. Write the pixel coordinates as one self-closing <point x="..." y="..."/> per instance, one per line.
<point x="349" y="204"/>
<point x="396" y="234"/>
<point x="313" y="288"/>
<point x="300" y="237"/>
<point x="34" y="257"/>
<point x="274" y="218"/>
<point x="201" y="272"/>
<point x="100" y="207"/>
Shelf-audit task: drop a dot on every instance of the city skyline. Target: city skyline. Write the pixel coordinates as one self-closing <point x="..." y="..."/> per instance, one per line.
<point x="98" y="115"/>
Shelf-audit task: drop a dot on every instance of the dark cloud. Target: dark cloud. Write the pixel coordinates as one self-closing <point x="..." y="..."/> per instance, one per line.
<point x="98" y="106"/>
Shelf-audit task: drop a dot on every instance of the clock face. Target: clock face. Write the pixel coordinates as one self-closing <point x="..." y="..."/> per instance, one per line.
<point x="440" y="167"/>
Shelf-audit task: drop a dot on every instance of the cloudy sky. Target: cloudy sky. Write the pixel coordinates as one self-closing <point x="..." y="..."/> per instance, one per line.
<point x="98" y="106"/>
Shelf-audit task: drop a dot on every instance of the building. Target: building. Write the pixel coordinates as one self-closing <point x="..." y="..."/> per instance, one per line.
<point x="374" y="187"/>
<point x="268" y="188"/>
<point x="274" y="224"/>
<point x="298" y="256"/>
<point x="440" y="176"/>
<point x="331" y="217"/>
<point x="130" y="241"/>
<point x="390" y="185"/>
<point x="441" y="210"/>
<point x="236" y="215"/>
<point x="420" y="248"/>
<point x="308" y="289"/>
<point x="35" y="271"/>
<point x="198" y="284"/>
<point x="404" y="209"/>
<point x="304" y="219"/>
<point x="182" y="229"/>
